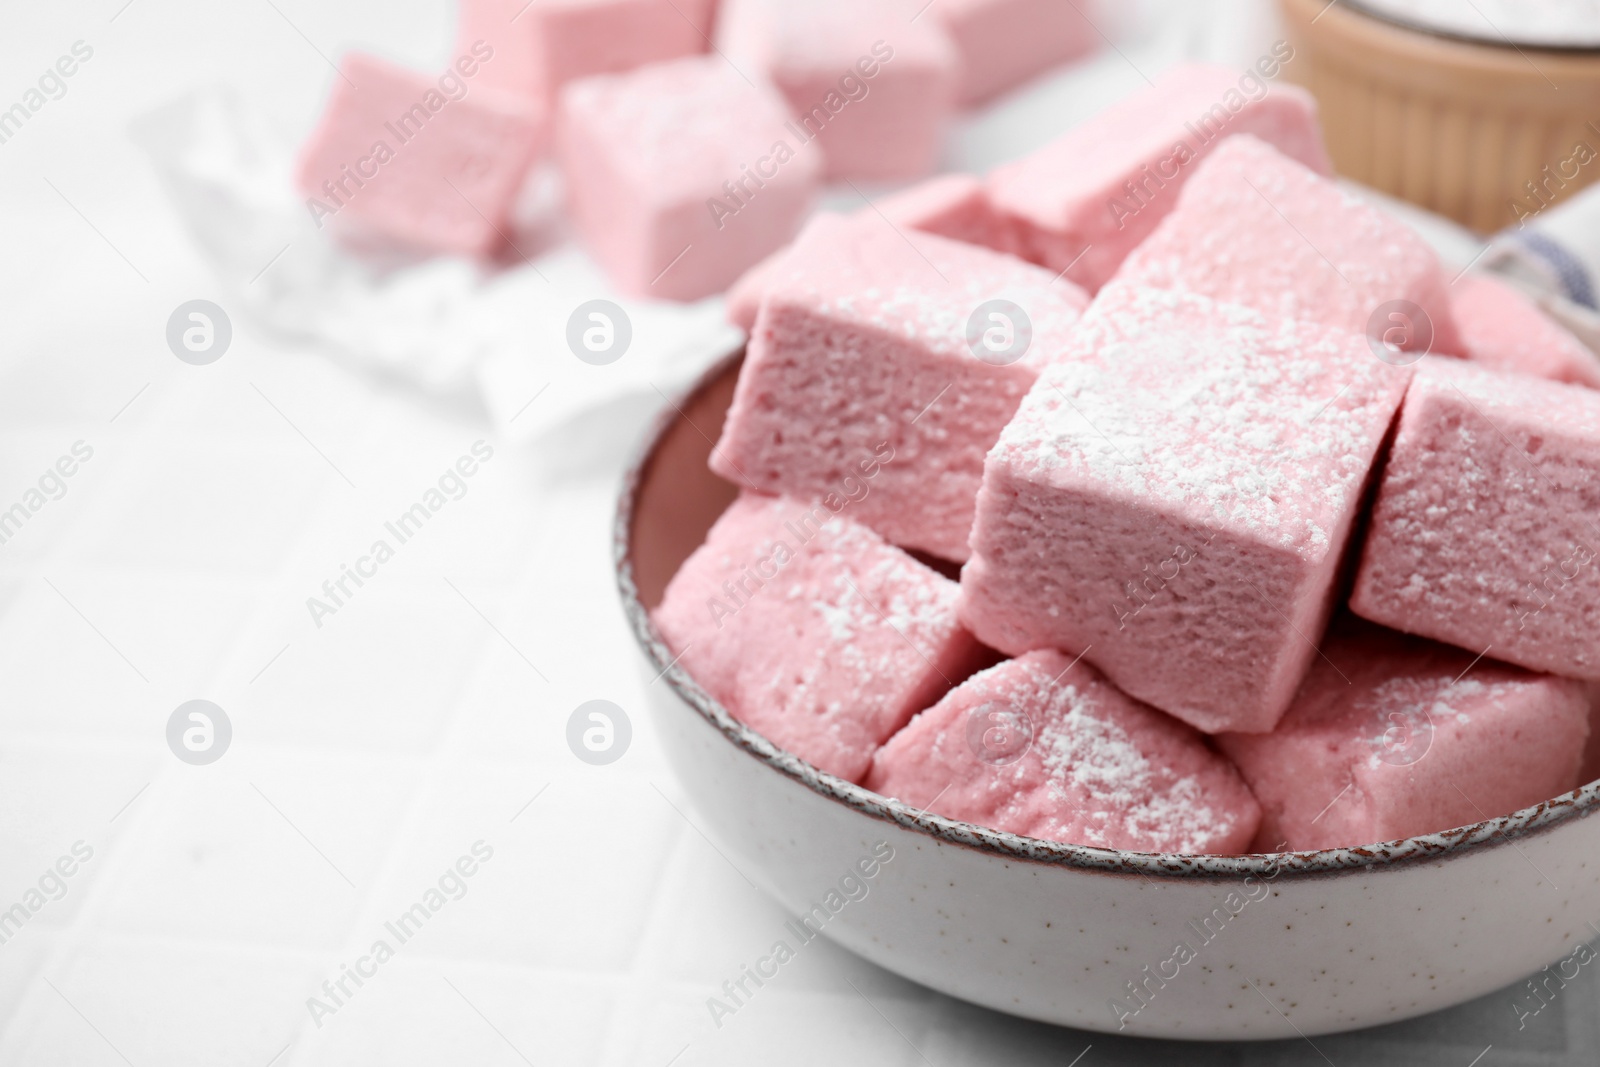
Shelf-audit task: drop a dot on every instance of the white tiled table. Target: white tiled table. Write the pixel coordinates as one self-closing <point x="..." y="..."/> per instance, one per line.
<point x="372" y="752"/>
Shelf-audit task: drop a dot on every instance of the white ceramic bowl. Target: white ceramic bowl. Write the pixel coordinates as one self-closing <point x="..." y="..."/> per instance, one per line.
<point x="1296" y="944"/>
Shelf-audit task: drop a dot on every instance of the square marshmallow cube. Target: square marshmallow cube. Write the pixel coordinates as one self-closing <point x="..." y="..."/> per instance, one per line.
<point x="950" y="205"/>
<point x="674" y="177"/>
<point x="1392" y="736"/>
<point x="1486" y="529"/>
<point x="866" y="345"/>
<point x="417" y="161"/>
<point x="1039" y="747"/>
<point x="744" y="296"/>
<point x="540" y="47"/>
<point x="870" y="89"/>
<point x="1004" y="43"/>
<point x="812" y="631"/>
<point x="1254" y="227"/>
<point x="1173" y="500"/>
<point x="1502" y="329"/>
<point x="1087" y="199"/>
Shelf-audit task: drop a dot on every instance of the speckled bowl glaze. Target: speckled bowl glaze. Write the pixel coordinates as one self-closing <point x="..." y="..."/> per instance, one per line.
<point x="1202" y="947"/>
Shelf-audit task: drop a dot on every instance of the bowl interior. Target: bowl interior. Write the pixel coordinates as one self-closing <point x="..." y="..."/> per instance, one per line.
<point x="677" y="497"/>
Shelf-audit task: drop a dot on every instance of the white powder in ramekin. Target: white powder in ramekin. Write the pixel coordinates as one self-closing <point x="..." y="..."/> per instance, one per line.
<point x="1549" y="23"/>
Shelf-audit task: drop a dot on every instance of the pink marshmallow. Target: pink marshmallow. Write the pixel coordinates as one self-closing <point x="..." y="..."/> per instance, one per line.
<point x="1256" y="228"/>
<point x="541" y="46"/>
<point x="872" y="88"/>
<point x="862" y="347"/>
<point x="1173" y="500"/>
<point x="1004" y="43"/>
<point x="1084" y="201"/>
<point x="745" y="295"/>
<point x="509" y="49"/>
<point x="672" y="176"/>
<point x="1484" y="533"/>
<point x="1502" y="329"/>
<point x="1393" y="736"/>
<point x="415" y="161"/>
<point x="812" y="631"/>
<point x="950" y="205"/>
<point x="1036" y="746"/>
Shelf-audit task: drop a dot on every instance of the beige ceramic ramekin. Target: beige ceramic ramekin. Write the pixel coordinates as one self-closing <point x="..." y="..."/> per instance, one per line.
<point x="1484" y="133"/>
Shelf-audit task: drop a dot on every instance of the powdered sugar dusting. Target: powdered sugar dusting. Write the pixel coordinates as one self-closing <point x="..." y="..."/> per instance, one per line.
<point x="1096" y="767"/>
<point x="913" y="609"/>
<point x="1483" y="532"/>
<point x="1409" y="706"/>
<point x="690" y="123"/>
<point x="811" y="629"/>
<point x="923" y="289"/>
<point x="1269" y="425"/>
<point x="1256" y="228"/>
<point x="860" y="587"/>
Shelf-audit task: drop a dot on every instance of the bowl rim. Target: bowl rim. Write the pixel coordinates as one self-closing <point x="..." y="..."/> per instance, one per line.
<point x="1504" y="830"/>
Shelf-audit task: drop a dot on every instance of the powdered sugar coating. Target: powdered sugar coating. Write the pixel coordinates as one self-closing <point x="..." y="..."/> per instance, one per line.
<point x="812" y="630"/>
<point x="923" y="288"/>
<point x="950" y="205"/>
<point x="861" y="349"/>
<point x="1486" y="528"/>
<point x="1173" y="499"/>
<point x="664" y="174"/>
<point x="687" y="125"/>
<point x="1089" y="754"/>
<point x="1392" y="736"/>
<point x="1210" y="409"/>
<point x="1087" y="199"/>
<point x="1254" y="227"/>
<point x="1103" y="769"/>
